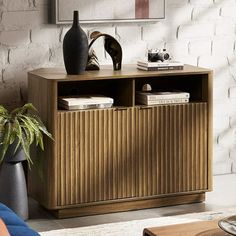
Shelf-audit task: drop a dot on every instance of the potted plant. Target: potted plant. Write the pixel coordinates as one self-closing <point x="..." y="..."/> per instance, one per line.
<point x="19" y="129"/>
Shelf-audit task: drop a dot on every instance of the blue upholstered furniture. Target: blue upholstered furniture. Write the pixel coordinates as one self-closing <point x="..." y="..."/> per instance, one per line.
<point x="15" y="225"/>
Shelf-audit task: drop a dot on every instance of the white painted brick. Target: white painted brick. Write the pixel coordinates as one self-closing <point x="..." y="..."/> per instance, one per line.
<point x="133" y="52"/>
<point x="233" y="158"/>
<point x="129" y="34"/>
<point x="206" y="13"/>
<point x="176" y="2"/>
<point x="232" y="92"/>
<point x="15" y="38"/>
<point x="56" y="55"/>
<point x="17" y="75"/>
<point x="186" y="59"/>
<point x="225" y="27"/>
<point x="232" y="71"/>
<point x="14" y="74"/>
<point x="41" y="2"/>
<point x="196" y="30"/>
<point x="231" y="59"/>
<point x="220" y="88"/>
<point x="151" y="44"/>
<point x="233" y="154"/>
<point x="220" y="105"/>
<point x="24" y="90"/>
<point x="218" y="64"/>
<point x="177" y="48"/>
<point x="233" y="166"/>
<point x="9" y="93"/>
<point x="231" y="107"/>
<point x="221" y="168"/>
<point x="3" y="55"/>
<point x="16" y="5"/>
<point x="202" y="2"/>
<point x="215" y="139"/>
<point x="49" y="35"/>
<point x="42" y="17"/>
<point x="176" y="16"/>
<point x="222" y="46"/>
<point x="220" y="154"/>
<point x="20" y="20"/>
<point x="229" y="11"/>
<point x="220" y="122"/>
<point x="31" y="55"/>
<point x="232" y="66"/>
<point x="220" y="93"/>
<point x="158" y="32"/>
<point x="224" y="3"/>
<point x="200" y="47"/>
<point x="227" y="139"/>
<point x="232" y="121"/>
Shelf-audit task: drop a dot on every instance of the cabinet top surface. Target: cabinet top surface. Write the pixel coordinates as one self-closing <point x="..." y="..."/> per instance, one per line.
<point x="107" y="72"/>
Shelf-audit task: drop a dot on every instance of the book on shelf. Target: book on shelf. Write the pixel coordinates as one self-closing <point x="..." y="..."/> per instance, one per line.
<point x="146" y="63"/>
<point x="148" y="96"/>
<point x="160" y="68"/>
<point x="85" y="102"/>
<point x="155" y="66"/>
<point x="85" y="106"/>
<point x="163" y="101"/>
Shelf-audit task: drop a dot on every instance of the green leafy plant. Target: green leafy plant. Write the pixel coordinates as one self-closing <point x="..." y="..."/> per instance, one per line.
<point x="21" y="127"/>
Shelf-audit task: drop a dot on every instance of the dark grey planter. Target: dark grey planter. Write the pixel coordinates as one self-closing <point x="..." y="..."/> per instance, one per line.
<point x="13" y="191"/>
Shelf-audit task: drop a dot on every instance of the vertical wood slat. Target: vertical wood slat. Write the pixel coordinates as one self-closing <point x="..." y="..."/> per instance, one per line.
<point x="95" y="152"/>
<point x="167" y="156"/>
<point x="179" y="147"/>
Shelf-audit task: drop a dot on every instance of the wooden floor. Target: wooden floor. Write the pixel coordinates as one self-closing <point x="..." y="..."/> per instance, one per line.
<point x="222" y="197"/>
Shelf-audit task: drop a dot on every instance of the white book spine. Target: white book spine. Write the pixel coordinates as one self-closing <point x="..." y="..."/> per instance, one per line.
<point x="164" y="101"/>
<point x="159" y="64"/>
<point x="153" y="97"/>
<point x="160" y="68"/>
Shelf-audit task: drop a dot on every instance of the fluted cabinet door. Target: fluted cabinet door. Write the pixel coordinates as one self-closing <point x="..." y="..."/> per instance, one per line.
<point x="95" y="156"/>
<point x="171" y="153"/>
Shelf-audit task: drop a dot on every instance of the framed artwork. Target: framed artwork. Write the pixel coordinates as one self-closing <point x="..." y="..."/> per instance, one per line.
<point x="99" y="11"/>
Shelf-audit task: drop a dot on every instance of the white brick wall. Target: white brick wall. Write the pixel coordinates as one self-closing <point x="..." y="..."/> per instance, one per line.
<point x="15" y="38"/>
<point x="197" y="32"/>
<point x="15" y="20"/>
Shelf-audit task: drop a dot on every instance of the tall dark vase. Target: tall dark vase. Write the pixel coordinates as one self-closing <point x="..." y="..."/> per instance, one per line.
<point x="75" y="48"/>
<point x="13" y="191"/>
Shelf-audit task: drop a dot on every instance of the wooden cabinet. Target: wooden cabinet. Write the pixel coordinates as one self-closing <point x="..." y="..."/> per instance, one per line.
<point x="126" y="157"/>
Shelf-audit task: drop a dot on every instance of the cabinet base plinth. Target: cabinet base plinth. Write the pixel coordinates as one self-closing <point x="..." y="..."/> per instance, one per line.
<point x="128" y="205"/>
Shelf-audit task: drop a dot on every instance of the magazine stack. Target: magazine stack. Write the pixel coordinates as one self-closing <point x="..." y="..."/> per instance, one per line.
<point x="155" y="66"/>
<point x="85" y="102"/>
<point x="158" y="98"/>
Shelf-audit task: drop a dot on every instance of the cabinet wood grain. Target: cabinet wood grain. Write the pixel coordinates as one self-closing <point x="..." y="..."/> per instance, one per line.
<point x="126" y="157"/>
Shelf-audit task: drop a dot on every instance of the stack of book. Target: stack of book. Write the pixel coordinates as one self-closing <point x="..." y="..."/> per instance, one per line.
<point x="155" y="66"/>
<point x="85" y="102"/>
<point x="155" y="98"/>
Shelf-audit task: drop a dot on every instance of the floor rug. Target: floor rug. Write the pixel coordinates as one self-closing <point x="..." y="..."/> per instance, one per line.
<point x="135" y="227"/>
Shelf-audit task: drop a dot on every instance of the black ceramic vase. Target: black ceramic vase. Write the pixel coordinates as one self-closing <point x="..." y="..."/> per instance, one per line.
<point x="75" y="48"/>
<point x="13" y="191"/>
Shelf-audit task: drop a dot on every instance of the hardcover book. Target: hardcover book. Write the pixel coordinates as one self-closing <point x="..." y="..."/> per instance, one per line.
<point x="163" y="101"/>
<point x="160" y="68"/>
<point x="85" y="102"/>
<point x="148" y="96"/>
<point x="155" y="66"/>
<point x="146" y="63"/>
